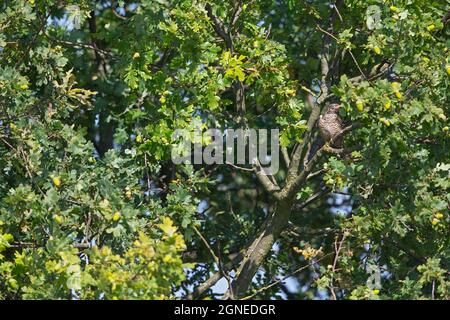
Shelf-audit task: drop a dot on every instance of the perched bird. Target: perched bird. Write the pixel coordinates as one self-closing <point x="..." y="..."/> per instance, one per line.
<point x="330" y="124"/>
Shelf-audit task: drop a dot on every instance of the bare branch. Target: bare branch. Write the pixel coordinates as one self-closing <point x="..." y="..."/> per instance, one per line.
<point x="240" y="168"/>
<point x="337" y="249"/>
<point x="113" y="9"/>
<point x="205" y="242"/>
<point x="319" y="194"/>
<point x="314" y="174"/>
<point x="285" y="154"/>
<point x="237" y="12"/>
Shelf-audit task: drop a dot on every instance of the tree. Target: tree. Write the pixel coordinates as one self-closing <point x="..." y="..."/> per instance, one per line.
<point x="92" y="206"/>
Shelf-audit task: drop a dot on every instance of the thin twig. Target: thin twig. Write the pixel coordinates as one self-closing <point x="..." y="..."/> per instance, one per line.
<point x="285" y="277"/>
<point x="113" y="3"/>
<point x="235" y="259"/>
<point x="314" y="174"/>
<point x="349" y="51"/>
<point x="240" y="168"/>
<point x="205" y="242"/>
<point x="319" y="194"/>
<point x="149" y="184"/>
<point x="337" y="250"/>
<point x="80" y="45"/>
<point x="225" y="273"/>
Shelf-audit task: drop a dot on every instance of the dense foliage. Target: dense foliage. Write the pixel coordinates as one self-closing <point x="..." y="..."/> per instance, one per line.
<point x="92" y="207"/>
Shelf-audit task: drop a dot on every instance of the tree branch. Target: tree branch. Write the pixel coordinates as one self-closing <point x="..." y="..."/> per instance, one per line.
<point x="219" y="27"/>
<point x="295" y="181"/>
<point x="234" y="260"/>
<point x="319" y="194"/>
<point x="205" y="242"/>
<point x="285" y="154"/>
<point x="337" y="249"/>
<point x="297" y="153"/>
<point x="237" y="12"/>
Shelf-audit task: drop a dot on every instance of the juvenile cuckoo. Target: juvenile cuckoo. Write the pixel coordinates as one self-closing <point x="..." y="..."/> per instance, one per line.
<point x="330" y="124"/>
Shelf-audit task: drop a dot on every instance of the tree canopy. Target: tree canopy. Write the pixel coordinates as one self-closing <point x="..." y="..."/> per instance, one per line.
<point x="93" y="207"/>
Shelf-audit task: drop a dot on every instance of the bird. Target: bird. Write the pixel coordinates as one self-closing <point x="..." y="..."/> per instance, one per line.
<point x="330" y="125"/>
